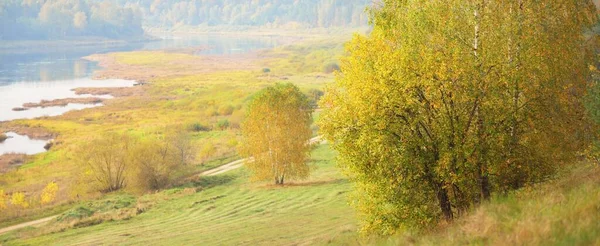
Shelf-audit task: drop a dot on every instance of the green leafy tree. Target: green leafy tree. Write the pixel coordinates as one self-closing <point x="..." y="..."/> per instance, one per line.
<point x="276" y="134"/>
<point x="445" y="102"/>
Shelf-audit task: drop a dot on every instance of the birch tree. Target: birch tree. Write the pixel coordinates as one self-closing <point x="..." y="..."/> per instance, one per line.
<point x="276" y="133"/>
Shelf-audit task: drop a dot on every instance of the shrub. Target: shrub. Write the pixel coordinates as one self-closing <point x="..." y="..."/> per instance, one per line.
<point x="154" y="162"/>
<point x="49" y="193"/>
<point x="108" y="161"/>
<point x="199" y="127"/>
<point x="232" y="142"/>
<point x="266" y="70"/>
<point x="3" y="137"/>
<point x="207" y="151"/>
<point x="48" y="145"/>
<point x="331" y="67"/>
<point x="223" y="124"/>
<point x="226" y="110"/>
<point x="19" y="199"/>
<point x="79" y="212"/>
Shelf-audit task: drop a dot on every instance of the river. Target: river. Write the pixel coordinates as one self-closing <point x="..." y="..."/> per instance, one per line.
<point x="36" y="74"/>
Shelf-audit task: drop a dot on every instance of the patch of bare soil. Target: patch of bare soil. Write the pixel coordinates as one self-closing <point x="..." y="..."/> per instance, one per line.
<point x="9" y="161"/>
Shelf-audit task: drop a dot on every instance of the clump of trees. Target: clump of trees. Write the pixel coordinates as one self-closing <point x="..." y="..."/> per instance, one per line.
<point x="269" y="13"/>
<point x="276" y="133"/>
<point x="45" y="19"/>
<point x="445" y="103"/>
<point x="118" y="161"/>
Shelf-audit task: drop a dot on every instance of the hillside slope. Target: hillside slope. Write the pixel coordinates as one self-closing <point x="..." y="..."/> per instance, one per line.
<point x="564" y="211"/>
<point x="228" y="210"/>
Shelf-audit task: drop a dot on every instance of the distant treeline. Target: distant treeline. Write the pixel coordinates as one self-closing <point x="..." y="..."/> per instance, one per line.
<point x="264" y="13"/>
<point x="59" y="19"/>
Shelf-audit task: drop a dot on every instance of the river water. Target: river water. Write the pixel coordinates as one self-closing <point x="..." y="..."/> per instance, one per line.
<point x="32" y="75"/>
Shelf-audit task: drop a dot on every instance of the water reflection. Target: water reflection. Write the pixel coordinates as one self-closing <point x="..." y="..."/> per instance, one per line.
<point x="20" y="144"/>
<point x="63" y="63"/>
<point x="14" y="95"/>
<point x="32" y="74"/>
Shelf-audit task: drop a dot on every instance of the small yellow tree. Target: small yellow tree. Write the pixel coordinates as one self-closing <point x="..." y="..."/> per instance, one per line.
<point x="49" y="193"/>
<point x="3" y="200"/>
<point x="276" y="133"/>
<point x="18" y="199"/>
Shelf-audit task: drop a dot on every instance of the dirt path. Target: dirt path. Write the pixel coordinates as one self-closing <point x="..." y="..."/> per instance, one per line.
<point x="216" y="171"/>
<point x="27" y="224"/>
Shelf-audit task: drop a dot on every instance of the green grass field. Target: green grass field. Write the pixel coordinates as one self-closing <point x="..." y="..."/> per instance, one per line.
<point x="232" y="212"/>
<point x="166" y="103"/>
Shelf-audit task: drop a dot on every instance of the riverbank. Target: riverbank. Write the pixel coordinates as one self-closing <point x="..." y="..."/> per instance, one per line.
<point x="144" y="66"/>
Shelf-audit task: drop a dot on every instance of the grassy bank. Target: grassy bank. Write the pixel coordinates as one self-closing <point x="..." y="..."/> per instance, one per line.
<point x="230" y="211"/>
<point x="563" y="211"/>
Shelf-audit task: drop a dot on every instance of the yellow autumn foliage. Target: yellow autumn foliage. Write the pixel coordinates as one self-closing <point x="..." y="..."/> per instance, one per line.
<point x="18" y="199"/>
<point x="3" y="200"/>
<point x="49" y="193"/>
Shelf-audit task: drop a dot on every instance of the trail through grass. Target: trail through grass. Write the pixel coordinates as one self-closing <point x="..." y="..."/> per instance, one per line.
<point x="231" y="211"/>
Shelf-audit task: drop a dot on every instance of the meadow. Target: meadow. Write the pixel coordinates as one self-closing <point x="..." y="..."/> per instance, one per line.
<point x="202" y="96"/>
<point x="225" y="209"/>
<point x="228" y="209"/>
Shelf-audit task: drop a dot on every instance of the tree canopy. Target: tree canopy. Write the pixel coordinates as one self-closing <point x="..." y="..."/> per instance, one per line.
<point x="276" y="134"/>
<point x="447" y="102"/>
<point x="44" y="19"/>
